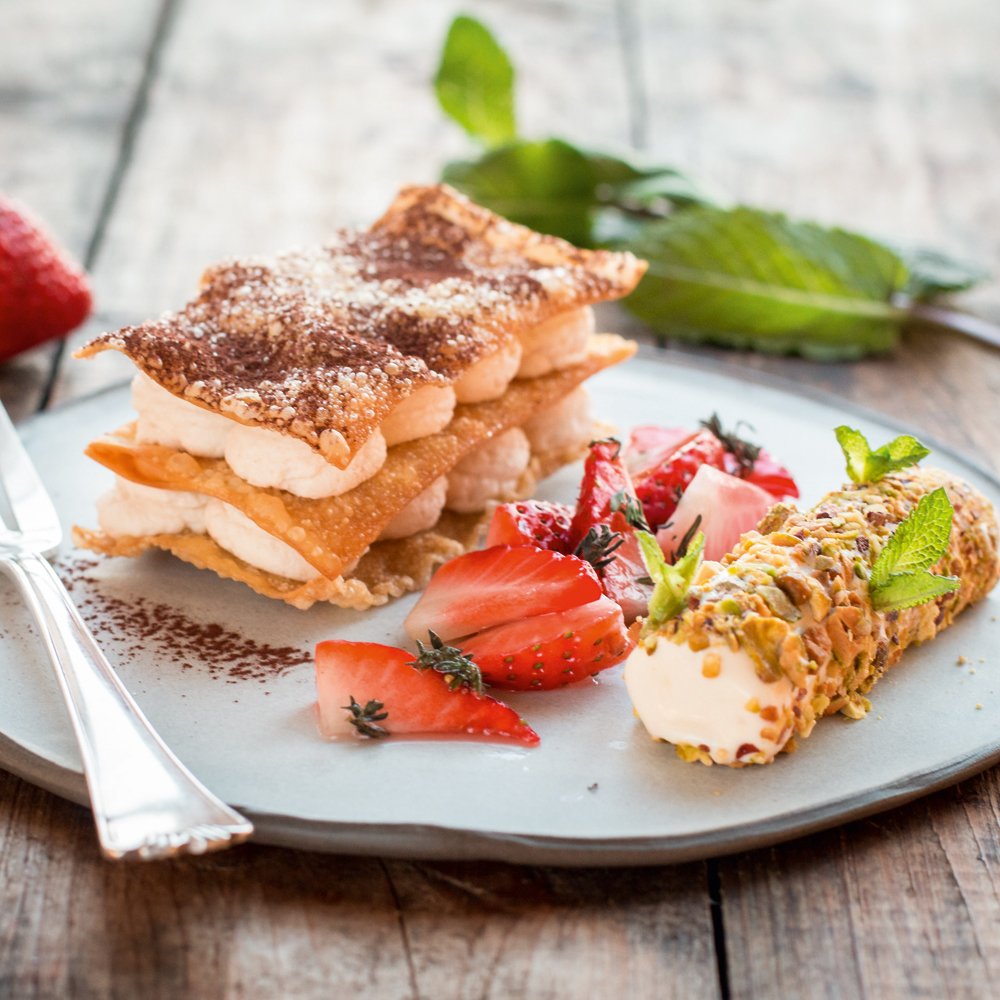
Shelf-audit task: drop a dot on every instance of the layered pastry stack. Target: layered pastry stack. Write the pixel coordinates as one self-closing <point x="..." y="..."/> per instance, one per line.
<point x="331" y="424"/>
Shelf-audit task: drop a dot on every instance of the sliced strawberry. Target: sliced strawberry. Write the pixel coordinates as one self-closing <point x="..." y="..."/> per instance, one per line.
<point x="497" y="585"/>
<point x="550" y="651"/>
<point x="661" y="488"/>
<point x="649" y="446"/>
<point x="375" y="690"/>
<point x="728" y="507"/>
<point x="531" y="522"/>
<point x="603" y="529"/>
<point x="43" y="294"/>
<point x="604" y="476"/>
<point x="767" y="473"/>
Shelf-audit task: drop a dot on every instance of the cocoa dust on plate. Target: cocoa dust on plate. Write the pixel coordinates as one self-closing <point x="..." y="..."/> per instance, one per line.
<point x="135" y="625"/>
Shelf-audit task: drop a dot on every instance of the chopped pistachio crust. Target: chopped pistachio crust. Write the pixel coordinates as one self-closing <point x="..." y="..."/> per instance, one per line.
<point x="794" y="595"/>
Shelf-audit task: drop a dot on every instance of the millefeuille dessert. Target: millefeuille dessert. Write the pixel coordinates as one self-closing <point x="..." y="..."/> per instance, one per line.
<point x="330" y="424"/>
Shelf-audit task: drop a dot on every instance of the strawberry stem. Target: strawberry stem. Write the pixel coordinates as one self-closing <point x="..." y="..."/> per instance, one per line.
<point x="365" y="720"/>
<point x="450" y="661"/>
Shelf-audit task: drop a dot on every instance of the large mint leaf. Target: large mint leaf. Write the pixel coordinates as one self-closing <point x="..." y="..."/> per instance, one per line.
<point x="475" y="83"/>
<point x="548" y="186"/>
<point x="899" y="577"/>
<point x="749" y="278"/>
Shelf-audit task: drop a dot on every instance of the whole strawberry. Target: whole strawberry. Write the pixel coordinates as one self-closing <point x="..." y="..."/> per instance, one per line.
<point x="43" y="294"/>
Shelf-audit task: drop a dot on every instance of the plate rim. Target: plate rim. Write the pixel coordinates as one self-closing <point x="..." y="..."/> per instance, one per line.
<point x="428" y="841"/>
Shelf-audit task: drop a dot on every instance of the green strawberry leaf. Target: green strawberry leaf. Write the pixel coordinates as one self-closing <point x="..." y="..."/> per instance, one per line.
<point x="908" y="590"/>
<point x="748" y="278"/>
<point x="899" y="577"/>
<point x="671" y="583"/>
<point x="475" y="83"/>
<point x="867" y="466"/>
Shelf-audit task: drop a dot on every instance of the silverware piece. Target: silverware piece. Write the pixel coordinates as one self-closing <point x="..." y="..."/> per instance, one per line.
<point x="146" y="803"/>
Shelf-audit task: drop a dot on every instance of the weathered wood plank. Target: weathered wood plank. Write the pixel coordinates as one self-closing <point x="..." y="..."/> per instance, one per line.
<point x="67" y="75"/>
<point x="490" y="930"/>
<point x="253" y="922"/>
<point x="879" y="117"/>
<point x="889" y="907"/>
<point x="266" y="131"/>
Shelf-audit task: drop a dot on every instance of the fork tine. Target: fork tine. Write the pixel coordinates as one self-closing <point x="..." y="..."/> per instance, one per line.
<point x="26" y="495"/>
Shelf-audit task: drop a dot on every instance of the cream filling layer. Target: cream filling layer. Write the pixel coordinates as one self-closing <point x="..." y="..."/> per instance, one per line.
<point x="710" y="699"/>
<point x="567" y="423"/>
<point x="488" y="472"/>
<point x="557" y="343"/>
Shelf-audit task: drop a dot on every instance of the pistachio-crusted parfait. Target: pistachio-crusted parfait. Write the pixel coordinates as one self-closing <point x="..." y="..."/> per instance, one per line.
<point x="804" y="616"/>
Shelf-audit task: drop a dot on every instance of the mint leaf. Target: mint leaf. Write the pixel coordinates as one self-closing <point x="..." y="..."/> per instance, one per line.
<point x="899" y="577"/>
<point x="867" y="466"/>
<point x="933" y="272"/>
<point x="548" y="186"/>
<point x="909" y="590"/>
<point x="748" y="278"/>
<point x="475" y="83"/>
<point x="919" y="541"/>
<point x="671" y="583"/>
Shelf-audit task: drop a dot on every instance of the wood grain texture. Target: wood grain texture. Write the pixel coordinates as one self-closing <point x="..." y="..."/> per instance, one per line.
<point x="67" y="75"/>
<point x="901" y="905"/>
<point x="499" y="931"/>
<point x="877" y="116"/>
<point x="253" y="922"/>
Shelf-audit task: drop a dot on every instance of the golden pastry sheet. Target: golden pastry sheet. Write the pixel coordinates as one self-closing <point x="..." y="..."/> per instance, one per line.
<point x="321" y="344"/>
<point x="333" y="532"/>
<point x="389" y="569"/>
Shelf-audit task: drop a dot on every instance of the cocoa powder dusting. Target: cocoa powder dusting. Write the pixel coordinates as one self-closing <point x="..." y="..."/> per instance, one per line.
<point x="134" y="626"/>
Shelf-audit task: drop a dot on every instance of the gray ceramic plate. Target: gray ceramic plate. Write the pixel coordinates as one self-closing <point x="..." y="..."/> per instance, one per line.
<point x="597" y="791"/>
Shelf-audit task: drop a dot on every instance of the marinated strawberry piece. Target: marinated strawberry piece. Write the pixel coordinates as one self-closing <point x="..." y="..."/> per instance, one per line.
<point x="721" y="506"/>
<point x="377" y="690"/>
<point x="550" y="651"/>
<point x="43" y="294"/>
<point x="531" y="522"/>
<point x="767" y="473"/>
<point x="500" y="584"/>
<point x="649" y="446"/>
<point x="603" y="530"/>
<point x="661" y="488"/>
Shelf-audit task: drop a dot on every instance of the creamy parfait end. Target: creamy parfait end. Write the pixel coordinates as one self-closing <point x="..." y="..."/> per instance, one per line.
<point x="739" y="658"/>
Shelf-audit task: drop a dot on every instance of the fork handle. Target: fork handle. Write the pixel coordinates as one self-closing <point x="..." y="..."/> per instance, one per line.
<point x="146" y="803"/>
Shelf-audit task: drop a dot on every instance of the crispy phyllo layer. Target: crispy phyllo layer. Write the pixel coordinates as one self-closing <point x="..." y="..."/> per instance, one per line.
<point x="333" y="532"/>
<point x="795" y="597"/>
<point x="322" y="344"/>
<point x="388" y="569"/>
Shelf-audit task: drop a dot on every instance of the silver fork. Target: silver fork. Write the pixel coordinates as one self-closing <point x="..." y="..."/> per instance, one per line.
<point x="146" y="803"/>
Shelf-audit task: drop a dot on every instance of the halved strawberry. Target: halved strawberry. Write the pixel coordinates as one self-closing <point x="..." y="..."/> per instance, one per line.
<point x="648" y="446"/>
<point x="661" y="488"/>
<point x="603" y="529"/>
<point x="531" y="522"/>
<point x="500" y="584"/>
<point x="550" y="651"/>
<point x="376" y="691"/>
<point x="728" y="507"/>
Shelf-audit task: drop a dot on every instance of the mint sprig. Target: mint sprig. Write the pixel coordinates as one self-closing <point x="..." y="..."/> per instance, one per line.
<point x="671" y="583"/>
<point x="867" y="466"/>
<point x="736" y="276"/>
<point x="900" y="577"/>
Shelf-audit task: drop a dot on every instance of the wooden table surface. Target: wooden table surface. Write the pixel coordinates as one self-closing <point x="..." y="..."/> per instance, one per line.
<point x="157" y="135"/>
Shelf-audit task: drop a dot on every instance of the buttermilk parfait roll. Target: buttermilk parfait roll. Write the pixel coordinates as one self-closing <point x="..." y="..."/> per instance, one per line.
<point x="738" y="658"/>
